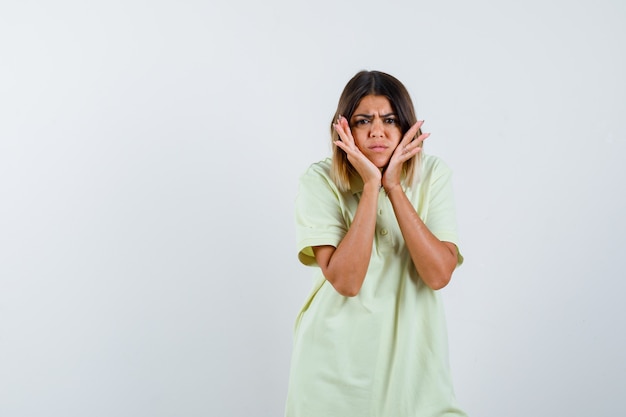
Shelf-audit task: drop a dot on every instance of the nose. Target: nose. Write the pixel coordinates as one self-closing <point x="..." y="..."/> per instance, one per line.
<point x="376" y="129"/>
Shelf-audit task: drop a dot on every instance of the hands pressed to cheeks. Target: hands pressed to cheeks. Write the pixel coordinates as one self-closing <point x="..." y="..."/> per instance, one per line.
<point x="377" y="148"/>
<point x="378" y="156"/>
<point x="378" y="153"/>
<point x="408" y="147"/>
<point x="368" y="171"/>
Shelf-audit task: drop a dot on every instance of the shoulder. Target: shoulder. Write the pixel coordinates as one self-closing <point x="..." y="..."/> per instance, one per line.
<point x="321" y="168"/>
<point x="317" y="173"/>
<point x="433" y="167"/>
<point x="433" y="163"/>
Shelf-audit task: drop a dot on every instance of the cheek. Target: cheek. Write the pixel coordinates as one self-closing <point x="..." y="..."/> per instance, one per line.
<point x="397" y="136"/>
<point x="359" y="140"/>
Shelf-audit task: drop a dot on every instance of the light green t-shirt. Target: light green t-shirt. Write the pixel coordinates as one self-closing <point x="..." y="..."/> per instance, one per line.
<point x="384" y="352"/>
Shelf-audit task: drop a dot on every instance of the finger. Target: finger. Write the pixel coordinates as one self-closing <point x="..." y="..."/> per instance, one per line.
<point x="419" y="140"/>
<point x="417" y="143"/>
<point x="342" y="145"/>
<point x="409" y="136"/>
<point x="408" y="153"/>
<point x="350" y="149"/>
<point x="422" y="137"/>
<point x="411" y="149"/>
<point x="343" y="130"/>
<point x="346" y="128"/>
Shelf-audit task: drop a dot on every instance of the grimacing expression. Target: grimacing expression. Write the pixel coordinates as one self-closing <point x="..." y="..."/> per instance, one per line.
<point x="376" y="129"/>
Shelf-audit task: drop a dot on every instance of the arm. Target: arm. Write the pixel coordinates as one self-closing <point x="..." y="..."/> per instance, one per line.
<point x="434" y="260"/>
<point x="345" y="267"/>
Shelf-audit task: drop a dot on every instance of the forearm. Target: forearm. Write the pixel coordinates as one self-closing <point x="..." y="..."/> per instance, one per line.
<point x="434" y="260"/>
<point x="346" y="266"/>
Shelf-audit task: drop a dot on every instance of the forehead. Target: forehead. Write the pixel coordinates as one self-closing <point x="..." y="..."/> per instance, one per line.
<point x="371" y="104"/>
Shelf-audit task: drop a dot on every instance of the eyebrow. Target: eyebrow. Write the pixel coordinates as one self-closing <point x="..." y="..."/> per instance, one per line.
<point x="369" y="116"/>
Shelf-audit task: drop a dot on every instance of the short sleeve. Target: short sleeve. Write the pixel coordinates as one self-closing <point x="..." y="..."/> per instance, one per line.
<point x="440" y="208"/>
<point x="319" y="218"/>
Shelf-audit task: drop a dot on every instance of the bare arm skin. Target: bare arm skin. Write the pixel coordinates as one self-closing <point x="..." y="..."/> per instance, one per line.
<point x="345" y="266"/>
<point x="434" y="260"/>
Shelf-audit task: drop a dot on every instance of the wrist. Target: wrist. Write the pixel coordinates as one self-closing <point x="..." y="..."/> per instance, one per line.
<point x="373" y="186"/>
<point x="394" y="188"/>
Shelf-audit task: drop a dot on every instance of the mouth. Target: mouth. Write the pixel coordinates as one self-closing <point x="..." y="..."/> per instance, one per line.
<point x="378" y="148"/>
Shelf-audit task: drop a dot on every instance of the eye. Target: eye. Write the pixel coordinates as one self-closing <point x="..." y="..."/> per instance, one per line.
<point x="391" y="120"/>
<point x="361" y="122"/>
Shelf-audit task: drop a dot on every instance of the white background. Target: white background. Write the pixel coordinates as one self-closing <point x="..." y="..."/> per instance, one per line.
<point x="149" y="158"/>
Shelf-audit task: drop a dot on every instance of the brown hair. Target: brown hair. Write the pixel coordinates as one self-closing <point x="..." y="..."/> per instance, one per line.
<point x="377" y="83"/>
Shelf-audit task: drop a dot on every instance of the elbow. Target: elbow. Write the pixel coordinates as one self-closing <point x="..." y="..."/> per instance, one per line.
<point x="438" y="281"/>
<point x="348" y="285"/>
<point x="438" y="276"/>
<point x="439" y="284"/>
<point x="351" y="293"/>
<point x="346" y="281"/>
<point x="347" y="290"/>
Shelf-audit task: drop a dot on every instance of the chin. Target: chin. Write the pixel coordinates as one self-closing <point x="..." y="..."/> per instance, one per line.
<point x="381" y="164"/>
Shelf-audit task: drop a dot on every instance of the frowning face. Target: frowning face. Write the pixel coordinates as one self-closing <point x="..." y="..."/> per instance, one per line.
<point x="376" y="129"/>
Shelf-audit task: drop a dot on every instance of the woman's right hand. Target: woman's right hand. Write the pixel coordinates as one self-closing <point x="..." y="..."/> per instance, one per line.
<point x="370" y="174"/>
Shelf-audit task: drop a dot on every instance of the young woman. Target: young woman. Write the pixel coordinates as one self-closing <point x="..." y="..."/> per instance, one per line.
<point x="378" y="222"/>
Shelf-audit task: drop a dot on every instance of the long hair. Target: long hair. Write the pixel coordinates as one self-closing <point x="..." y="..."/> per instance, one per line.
<point x="376" y="83"/>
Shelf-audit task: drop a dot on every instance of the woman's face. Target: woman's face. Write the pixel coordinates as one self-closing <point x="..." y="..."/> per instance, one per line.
<point x="376" y="129"/>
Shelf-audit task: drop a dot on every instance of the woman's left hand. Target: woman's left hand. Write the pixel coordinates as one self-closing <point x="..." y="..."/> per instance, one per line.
<point x="408" y="147"/>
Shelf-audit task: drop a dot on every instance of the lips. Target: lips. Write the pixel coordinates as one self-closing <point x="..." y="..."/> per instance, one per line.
<point x="378" y="148"/>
